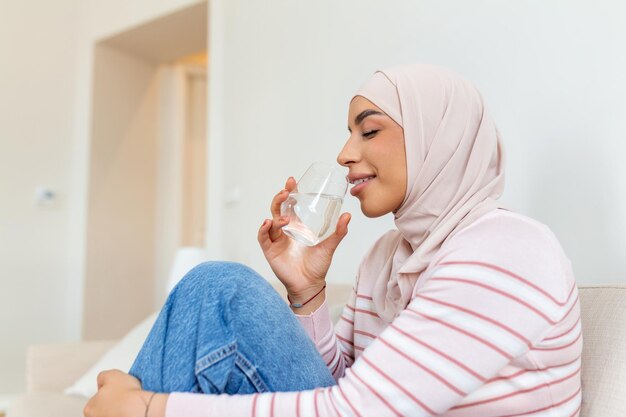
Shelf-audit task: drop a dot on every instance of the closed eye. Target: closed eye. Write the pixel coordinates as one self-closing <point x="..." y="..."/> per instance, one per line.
<point x="370" y="133"/>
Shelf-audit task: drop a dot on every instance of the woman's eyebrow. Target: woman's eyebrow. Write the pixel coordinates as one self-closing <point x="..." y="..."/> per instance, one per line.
<point x="365" y="113"/>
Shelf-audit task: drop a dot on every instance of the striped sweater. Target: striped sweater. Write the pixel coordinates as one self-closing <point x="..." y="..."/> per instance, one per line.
<point x="493" y="329"/>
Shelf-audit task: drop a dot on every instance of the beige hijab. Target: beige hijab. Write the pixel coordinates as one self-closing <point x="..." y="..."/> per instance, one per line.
<point x="455" y="169"/>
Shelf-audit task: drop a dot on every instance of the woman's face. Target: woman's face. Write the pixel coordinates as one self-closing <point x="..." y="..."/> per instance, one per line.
<point x="375" y="155"/>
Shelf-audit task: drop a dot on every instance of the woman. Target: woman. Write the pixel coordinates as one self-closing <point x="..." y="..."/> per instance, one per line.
<point x="467" y="309"/>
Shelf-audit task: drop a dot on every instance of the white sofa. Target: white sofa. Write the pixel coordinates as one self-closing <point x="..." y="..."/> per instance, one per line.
<point x="51" y="368"/>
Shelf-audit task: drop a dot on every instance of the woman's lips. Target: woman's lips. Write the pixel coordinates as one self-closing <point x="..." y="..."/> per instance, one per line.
<point x="357" y="188"/>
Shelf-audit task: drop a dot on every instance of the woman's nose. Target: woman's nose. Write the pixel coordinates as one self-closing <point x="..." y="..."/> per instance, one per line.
<point x="348" y="155"/>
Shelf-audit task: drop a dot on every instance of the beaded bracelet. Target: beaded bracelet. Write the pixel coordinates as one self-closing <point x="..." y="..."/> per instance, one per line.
<point x="298" y="305"/>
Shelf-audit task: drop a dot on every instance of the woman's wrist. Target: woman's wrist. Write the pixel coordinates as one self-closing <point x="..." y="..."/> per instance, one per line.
<point x="308" y="300"/>
<point x="301" y="295"/>
<point x="155" y="403"/>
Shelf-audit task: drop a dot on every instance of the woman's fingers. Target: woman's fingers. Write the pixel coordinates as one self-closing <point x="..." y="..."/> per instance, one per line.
<point x="277" y="201"/>
<point x="263" y="235"/>
<point x="332" y="241"/>
<point x="270" y="231"/>
<point x="291" y="185"/>
<point x="276" y="230"/>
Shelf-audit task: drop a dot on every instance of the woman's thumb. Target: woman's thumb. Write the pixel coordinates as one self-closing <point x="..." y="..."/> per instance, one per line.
<point x="341" y="231"/>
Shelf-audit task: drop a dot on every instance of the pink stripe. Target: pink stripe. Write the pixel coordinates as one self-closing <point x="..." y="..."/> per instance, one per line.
<point x="380" y="397"/>
<point x="560" y="347"/>
<point x="371" y="313"/>
<point x="346" y="349"/>
<point x="347" y="358"/>
<point x="360" y="310"/>
<point x="254" y="400"/>
<point x="272" y="405"/>
<point x="571" y="308"/>
<point x="547" y="408"/>
<point x="515" y="276"/>
<point x="354" y="346"/>
<point x="343" y="339"/>
<point x="330" y="349"/>
<point x="515" y="393"/>
<point x="333" y="358"/>
<point x="298" y="403"/>
<point x="565" y="332"/>
<point x="400" y="387"/>
<point x="347" y="401"/>
<point x="332" y="402"/>
<point x="490" y="320"/>
<point x="317" y="391"/>
<point x="365" y="334"/>
<point x="523" y="371"/>
<point x="575" y="413"/>
<point x="498" y="291"/>
<point x="336" y="367"/>
<point x="468" y="334"/>
<point x="365" y="297"/>
<point x="428" y="370"/>
<point x="440" y="353"/>
<point x="349" y="321"/>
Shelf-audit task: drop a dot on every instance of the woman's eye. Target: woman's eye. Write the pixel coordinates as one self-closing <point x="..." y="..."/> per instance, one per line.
<point x="370" y="133"/>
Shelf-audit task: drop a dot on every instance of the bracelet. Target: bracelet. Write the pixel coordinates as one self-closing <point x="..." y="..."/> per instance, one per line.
<point x="148" y="403"/>
<point x="298" y="305"/>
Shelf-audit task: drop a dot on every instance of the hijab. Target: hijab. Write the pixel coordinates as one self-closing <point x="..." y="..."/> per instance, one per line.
<point x="455" y="173"/>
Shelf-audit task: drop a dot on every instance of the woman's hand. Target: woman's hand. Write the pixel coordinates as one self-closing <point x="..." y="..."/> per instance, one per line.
<point x="121" y="395"/>
<point x="301" y="269"/>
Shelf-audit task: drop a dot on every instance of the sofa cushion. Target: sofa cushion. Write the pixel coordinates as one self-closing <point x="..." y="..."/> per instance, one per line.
<point x="603" y="315"/>
<point x="120" y="356"/>
<point x="52" y="367"/>
<point x="48" y="404"/>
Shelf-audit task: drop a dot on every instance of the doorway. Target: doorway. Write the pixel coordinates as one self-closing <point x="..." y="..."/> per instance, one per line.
<point x="147" y="166"/>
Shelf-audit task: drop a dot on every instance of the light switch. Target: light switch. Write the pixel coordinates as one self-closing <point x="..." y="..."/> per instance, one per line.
<point x="45" y="196"/>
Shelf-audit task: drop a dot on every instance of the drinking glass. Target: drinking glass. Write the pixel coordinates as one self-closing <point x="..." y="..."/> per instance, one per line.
<point x="314" y="206"/>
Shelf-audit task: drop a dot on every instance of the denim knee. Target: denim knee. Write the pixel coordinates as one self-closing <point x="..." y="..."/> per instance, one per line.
<point x="219" y="274"/>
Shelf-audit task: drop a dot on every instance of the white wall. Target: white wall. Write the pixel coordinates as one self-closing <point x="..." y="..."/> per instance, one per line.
<point x="119" y="273"/>
<point x="46" y="52"/>
<point x="551" y="72"/>
<point x="37" y="49"/>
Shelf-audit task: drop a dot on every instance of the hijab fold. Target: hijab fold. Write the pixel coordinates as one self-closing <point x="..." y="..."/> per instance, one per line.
<point x="455" y="173"/>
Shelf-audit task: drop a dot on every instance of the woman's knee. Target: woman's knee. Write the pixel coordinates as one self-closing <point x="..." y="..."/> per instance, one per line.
<point x="218" y="274"/>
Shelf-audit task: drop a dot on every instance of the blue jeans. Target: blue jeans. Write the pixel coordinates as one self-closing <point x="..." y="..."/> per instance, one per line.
<point x="224" y="330"/>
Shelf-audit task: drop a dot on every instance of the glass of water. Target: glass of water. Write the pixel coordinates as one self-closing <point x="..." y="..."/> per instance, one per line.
<point x="313" y="208"/>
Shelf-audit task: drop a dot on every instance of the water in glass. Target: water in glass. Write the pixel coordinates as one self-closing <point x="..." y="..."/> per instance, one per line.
<point x="313" y="216"/>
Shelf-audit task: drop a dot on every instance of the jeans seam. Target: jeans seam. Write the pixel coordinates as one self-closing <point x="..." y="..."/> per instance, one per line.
<point x="251" y="372"/>
<point x="215" y="356"/>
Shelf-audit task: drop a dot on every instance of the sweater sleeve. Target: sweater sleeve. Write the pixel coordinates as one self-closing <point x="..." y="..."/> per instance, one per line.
<point x="335" y="345"/>
<point x="490" y="299"/>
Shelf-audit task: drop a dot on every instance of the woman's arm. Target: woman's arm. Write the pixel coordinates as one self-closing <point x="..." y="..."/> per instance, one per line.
<point x="334" y="343"/>
<point x="465" y="325"/>
<point x="120" y="395"/>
